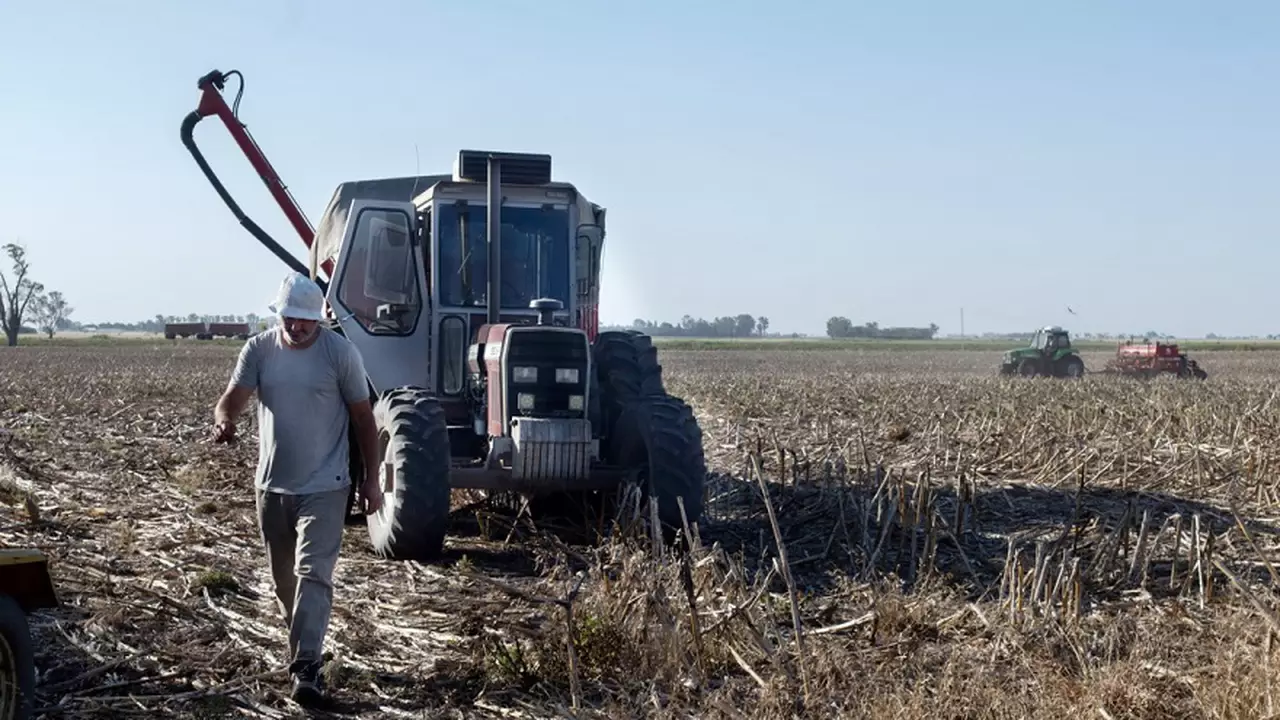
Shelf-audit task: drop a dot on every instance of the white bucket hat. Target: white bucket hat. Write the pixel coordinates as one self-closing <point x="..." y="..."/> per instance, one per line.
<point x="299" y="297"/>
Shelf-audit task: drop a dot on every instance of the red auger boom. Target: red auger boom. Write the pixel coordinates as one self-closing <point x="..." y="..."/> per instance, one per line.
<point x="212" y="103"/>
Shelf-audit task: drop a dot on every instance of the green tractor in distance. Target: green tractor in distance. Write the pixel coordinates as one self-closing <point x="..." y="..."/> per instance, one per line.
<point x="1050" y="354"/>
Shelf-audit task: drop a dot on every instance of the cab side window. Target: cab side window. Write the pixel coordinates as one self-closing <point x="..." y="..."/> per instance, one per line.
<point x="380" y="282"/>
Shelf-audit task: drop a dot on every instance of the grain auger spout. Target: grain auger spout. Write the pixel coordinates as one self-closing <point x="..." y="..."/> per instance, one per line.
<point x="212" y="103"/>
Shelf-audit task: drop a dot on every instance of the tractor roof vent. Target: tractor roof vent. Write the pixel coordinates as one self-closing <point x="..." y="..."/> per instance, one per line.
<point x="517" y="168"/>
<point x="546" y="307"/>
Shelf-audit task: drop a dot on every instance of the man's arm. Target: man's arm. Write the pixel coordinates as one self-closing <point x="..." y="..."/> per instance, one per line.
<point x="367" y="437"/>
<point x="230" y="405"/>
<point x="244" y="380"/>
<point x="355" y="391"/>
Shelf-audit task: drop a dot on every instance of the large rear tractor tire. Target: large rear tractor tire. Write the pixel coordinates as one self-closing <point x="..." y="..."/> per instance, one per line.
<point x="626" y="368"/>
<point x="659" y="436"/>
<point x="1071" y="367"/>
<point x="414" y="438"/>
<point x="17" y="662"/>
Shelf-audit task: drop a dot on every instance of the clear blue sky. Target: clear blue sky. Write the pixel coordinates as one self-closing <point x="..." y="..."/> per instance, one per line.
<point x="887" y="161"/>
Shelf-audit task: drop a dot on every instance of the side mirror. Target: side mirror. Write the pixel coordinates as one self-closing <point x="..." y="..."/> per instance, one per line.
<point x="593" y="234"/>
<point x="589" y="240"/>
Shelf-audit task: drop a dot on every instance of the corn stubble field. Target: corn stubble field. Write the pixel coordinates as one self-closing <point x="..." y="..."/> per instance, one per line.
<point x="888" y="534"/>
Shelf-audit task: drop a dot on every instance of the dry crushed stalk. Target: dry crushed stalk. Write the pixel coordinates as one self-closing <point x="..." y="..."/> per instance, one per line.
<point x="786" y="572"/>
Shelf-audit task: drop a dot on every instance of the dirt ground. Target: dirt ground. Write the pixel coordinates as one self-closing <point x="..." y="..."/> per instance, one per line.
<point x="936" y="542"/>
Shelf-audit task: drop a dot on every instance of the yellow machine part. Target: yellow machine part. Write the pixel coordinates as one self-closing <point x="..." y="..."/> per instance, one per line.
<point x="24" y="575"/>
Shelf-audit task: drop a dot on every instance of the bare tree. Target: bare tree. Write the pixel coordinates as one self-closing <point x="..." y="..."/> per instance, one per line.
<point x="16" y="293"/>
<point x="51" y="312"/>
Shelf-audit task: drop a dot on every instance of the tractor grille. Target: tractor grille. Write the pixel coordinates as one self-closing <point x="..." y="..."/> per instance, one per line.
<point x="547" y="449"/>
<point x="547" y="351"/>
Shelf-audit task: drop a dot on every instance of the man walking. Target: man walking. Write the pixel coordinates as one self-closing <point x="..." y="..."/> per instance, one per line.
<point x="311" y="384"/>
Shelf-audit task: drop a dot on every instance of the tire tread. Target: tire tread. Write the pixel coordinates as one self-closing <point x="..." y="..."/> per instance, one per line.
<point x="419" y="449"/>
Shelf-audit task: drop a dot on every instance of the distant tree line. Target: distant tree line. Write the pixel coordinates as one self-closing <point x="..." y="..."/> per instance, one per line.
<point x="156" y="324"/>
<point x="843" y="327"/>
<point x="742" y="325"/>
<point x="747" y="325"/>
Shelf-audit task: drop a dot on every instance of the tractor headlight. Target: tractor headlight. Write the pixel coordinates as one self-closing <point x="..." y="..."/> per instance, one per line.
<point x="524" y="374"/>
<point x="576" y="402"/>
<point x="525" y="401"/>
<point x="567" y="375"/>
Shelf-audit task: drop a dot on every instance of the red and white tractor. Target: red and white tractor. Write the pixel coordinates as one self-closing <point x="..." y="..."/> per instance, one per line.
<point x="472" y="298"/>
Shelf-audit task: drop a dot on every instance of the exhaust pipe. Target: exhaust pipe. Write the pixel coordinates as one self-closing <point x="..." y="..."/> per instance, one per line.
<point x="494" y="231"/>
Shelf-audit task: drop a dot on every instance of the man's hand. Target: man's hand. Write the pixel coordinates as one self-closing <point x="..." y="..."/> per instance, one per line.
<point x="229" y="407"/>
<point x="224" y="431"/>
<point x="370" y="494"/>
<point x="369" y="491"/>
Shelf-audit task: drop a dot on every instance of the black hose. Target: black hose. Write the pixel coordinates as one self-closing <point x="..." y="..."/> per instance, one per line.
<point x="235" y="106"/>
<point x="188" y="139"/>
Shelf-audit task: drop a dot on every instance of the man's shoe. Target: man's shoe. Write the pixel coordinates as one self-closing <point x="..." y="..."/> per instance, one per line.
<point x="308" y="685"/>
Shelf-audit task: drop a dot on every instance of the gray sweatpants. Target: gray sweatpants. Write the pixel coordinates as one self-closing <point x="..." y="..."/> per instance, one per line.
<point x="302" y="535"/>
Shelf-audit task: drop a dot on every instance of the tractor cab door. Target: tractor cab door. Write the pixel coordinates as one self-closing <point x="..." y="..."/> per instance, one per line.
<point x="379" y="293"/>
<point x="1040" y="341"/>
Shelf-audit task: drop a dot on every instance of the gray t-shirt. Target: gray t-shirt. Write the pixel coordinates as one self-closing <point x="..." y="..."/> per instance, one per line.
<point x="302" y="409"/>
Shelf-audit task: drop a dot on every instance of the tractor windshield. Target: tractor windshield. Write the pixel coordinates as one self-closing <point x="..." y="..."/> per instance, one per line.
<point x="1053" y="341"/>
<point x="535" y="255"/>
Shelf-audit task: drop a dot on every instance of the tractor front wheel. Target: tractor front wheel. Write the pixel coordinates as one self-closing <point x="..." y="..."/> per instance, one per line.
<point x="414" y="440"/>
<point x="1028" y="367"/>
<point x="17" y="662"/>
<point x="659" y="437"/>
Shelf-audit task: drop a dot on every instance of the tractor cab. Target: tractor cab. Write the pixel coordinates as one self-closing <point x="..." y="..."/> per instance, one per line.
<point x="1048" y="340"/>
<point x="419" y="273"/>
<point x="1050" y="354"/>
